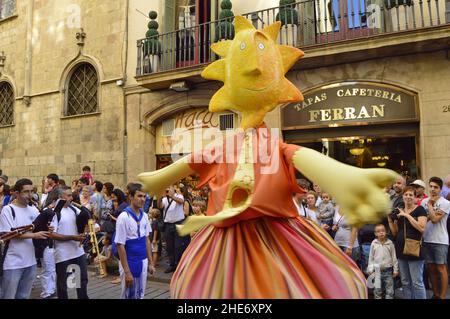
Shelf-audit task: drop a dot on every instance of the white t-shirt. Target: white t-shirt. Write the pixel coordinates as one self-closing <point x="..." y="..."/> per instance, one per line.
<point x="437" y="233"/>
<point x="318" y="201"/>
<point x="43" y="198"/>
<point x="344" y="232"/>
<point x="21" y="251"/>
<point x="305" y="212"/>
<point x="175" y="213"/>
<point x="127" y="228"/>
<point x="70" y="249"/>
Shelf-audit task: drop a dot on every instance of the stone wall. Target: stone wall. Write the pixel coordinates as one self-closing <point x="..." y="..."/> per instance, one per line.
<point x="42" y="141"/>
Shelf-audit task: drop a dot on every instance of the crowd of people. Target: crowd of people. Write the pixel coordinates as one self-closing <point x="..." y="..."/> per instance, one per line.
<point x="134" y="229"/>
<point x="58" y="243"/>
<point x="410" y="244"/>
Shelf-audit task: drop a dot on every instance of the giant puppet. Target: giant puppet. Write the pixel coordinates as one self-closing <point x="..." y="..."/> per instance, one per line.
<point x="252" y="243"/>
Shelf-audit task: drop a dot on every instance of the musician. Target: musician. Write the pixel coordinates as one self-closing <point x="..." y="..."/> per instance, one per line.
<point x="133" y="245"/>
<point x="19" y="262"/>
<point x="44" y="249"/>
<point x="68" y="250"/>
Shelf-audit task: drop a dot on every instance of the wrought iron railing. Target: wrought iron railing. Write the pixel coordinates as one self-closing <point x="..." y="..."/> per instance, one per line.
<point x="305" y="23"/>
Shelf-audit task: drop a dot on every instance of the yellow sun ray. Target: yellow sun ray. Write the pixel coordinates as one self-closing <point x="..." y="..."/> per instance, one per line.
<point x="215" y="71"/>
<point x="289" y="55"/>
<point x="241" y="23"/>
<point x="221" y="48"/>
<point x="290" y="92"/>
<point x="220" y="101"/>
<point x="273" y="30"/>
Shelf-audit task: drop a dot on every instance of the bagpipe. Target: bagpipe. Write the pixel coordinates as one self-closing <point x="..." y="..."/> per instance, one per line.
<point x="15" y="232"/>
<point x="5" y="239"/>
<point x="82" y="218"/>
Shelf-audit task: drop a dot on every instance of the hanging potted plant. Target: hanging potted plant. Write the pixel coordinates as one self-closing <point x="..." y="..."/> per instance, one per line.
<point x="288" y="17"/>
<point x="152" y="46"/>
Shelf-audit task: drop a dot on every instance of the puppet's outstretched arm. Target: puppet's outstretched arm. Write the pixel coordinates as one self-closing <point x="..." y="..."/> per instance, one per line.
<point x="155" y="182"/>
<point x="357" y="191"/>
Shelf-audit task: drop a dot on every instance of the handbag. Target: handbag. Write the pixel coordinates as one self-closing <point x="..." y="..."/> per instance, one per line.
<point x="412" y="246"/>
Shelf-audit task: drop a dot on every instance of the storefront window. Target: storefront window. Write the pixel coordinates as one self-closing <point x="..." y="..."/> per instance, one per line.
<point x="396" y="153"/>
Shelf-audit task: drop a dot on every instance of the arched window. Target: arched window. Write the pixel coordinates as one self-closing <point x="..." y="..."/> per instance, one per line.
<point x="6" y="104"/>
<point x="82" y="91"/>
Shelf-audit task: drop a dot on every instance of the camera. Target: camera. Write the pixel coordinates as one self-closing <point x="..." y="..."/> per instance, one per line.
<point x="394" y="214"/>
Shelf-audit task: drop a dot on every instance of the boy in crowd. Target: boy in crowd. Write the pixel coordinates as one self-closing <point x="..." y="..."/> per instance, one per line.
<point x="87" y="174"/>
<point x="383" y="262"/>
<point x="133" y="245"/>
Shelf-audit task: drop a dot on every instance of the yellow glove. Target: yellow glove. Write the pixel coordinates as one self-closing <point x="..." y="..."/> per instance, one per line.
<point x="359" y="192"/>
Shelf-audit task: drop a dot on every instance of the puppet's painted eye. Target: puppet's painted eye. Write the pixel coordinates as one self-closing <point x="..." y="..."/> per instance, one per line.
<point x="261" y="46"/>
<point x="243" y="45"/>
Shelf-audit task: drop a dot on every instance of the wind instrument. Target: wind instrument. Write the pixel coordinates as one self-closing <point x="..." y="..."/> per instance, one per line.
<point x="84" y="218"/>
<point x="15" y="232"/>
<point x="94" y="243"/>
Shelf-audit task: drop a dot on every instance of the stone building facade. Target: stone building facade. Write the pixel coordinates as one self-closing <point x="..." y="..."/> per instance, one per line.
<point x="44" y="44"/>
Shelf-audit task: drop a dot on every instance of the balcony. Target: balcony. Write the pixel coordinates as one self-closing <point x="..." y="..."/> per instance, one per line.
<point x="327" y="30"/>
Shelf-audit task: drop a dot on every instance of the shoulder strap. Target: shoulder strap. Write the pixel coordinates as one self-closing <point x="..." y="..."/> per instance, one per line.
<point x="73" y="209"/>
<point x="191" y="210"/>
<point x="13" y="213"/>
<point x="58" y="213"/>
<point x="169" y="202"/>
<point x="5" y="248"/>
<point x="404" y="228"/>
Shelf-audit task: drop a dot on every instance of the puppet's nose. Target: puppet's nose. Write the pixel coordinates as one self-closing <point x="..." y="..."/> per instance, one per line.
<point x="255" y="71"/>
<point x="254" y="67"/>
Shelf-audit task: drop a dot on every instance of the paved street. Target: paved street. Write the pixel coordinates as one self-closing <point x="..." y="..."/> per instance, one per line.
<point x="157" y="287"/>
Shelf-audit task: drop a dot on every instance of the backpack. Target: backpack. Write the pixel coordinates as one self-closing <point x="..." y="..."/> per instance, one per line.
<point x="58" y="212"/>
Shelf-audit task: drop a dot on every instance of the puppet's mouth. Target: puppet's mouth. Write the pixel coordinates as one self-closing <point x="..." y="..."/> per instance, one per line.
<point x="261" y="89"/>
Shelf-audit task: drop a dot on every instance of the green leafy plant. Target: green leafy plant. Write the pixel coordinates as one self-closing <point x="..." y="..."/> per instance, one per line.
<point x="152" y="46"/>
<point x="287" y="13"/>
<point x="225" y="28"/>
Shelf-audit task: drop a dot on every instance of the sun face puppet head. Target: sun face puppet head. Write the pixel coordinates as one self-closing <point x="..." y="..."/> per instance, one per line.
<point x="252" y="69"/>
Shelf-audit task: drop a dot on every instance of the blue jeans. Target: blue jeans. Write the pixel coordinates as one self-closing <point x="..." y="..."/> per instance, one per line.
<point x="365" y="250"/>
<point x="356" y="253"/>
<point x="387" y="285"/>
<point x="411" y="275"/>
<point x="17" y="283"/>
